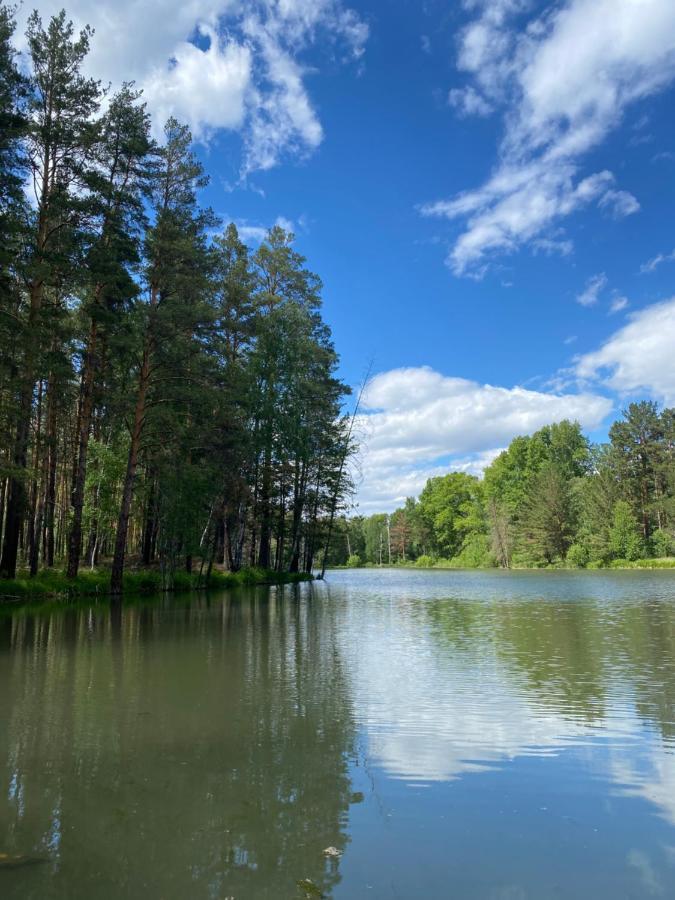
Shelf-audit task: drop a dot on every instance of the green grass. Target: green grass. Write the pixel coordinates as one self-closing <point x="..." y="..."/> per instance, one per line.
<point x="663" y="562"/>
<point x="427" y="562"/>
<point x="55" y="584"/>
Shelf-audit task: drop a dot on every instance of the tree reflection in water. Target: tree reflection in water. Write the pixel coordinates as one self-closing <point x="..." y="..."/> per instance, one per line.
<point x="195" y="749"/>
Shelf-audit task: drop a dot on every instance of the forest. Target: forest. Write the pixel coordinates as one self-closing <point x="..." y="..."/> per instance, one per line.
<point x="168" y="395"/>
<point x="551" y="499"/>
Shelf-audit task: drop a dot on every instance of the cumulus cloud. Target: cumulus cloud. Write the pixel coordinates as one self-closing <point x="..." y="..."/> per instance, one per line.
<point x="594" y="287"/>
<point x="218" y="64"/>
<point x="612" y="53"/>
<point x="418" y="423"/>
<point x="206" y="89"/>
<point x="639" y="357"/>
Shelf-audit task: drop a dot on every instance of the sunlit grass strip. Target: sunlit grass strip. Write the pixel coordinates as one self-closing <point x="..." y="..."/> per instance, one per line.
<point x="665" y="562"/>
<point x="56" y="584"/>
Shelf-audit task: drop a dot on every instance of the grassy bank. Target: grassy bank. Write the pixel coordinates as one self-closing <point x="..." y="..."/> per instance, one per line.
<point x="664" y="562"/>
<point x="57" y="585"/>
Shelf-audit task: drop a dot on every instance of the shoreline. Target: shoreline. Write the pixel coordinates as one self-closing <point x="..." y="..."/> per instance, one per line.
<point x="55" y="585"/>
<point x="663" y="564"/>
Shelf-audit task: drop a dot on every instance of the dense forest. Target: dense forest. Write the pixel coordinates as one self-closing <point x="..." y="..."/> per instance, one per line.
<point x="551" y="499"/>
<point x="168" y="396"/>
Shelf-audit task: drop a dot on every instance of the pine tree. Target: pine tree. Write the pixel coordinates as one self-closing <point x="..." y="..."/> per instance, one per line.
<point x="59" y="142"/>
<point x="116" y="181"/>
<point x="175" y="262"/>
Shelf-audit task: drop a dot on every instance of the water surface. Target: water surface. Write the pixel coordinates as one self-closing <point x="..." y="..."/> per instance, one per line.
<point x="450" y="734"/>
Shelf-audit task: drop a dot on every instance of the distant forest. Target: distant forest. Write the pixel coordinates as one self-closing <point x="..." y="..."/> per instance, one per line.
<point x="552" y="499"/>
<point x="166" y="393"/>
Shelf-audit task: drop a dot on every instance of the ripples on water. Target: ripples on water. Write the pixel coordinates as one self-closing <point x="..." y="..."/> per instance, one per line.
<point x="451" y="734"/>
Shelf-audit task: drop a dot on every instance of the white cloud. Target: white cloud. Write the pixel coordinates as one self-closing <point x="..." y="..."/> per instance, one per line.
<point x="418" y="423"/>
<point x="652" y="264"/>
<point x="242" y="72"/>
<point x="206" y="89"/>
<point x="618" y="303"/>
<point x="663" y="155"/>
<point x="550" y="246"/>
<point x="594" y="287"/>
<point x="252" y="233"/>
<point x="565" y="80"/>
<point x="639" y="357"/>
<point x="417" y="739"/>
<point x="468" y="102"/>
<point x="620" y="204"/>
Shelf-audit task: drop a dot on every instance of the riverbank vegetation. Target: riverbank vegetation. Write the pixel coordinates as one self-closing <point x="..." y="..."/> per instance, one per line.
<point x="550" y="500"/>
<point x="54" y="584"/>
<point x="168" y="396"/>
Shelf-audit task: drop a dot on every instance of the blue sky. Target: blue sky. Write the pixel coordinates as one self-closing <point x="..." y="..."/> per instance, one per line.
<point x="486" y="189"/>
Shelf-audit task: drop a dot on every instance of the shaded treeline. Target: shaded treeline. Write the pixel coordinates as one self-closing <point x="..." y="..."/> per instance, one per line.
<point x="166" y="394"/>
<point x="552" y="498"/>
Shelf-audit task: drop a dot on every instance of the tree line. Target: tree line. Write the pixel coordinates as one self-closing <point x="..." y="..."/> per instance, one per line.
<point x="167" y="394"/>
<point x="550" y="499"/>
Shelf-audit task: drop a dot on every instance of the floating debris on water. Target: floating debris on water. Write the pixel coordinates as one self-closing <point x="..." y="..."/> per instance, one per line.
<point x="333" y="852"/>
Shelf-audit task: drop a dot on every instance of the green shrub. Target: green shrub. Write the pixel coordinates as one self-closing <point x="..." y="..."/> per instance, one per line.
<point x="150" y="581"/>
<point x="425" y="561"/>
<point x="662" y="543"/>
<point x="475" y="554"/>
<point x="354" y="561"/>
<point x="624" y="536"/>
<point x="578" y="556"/>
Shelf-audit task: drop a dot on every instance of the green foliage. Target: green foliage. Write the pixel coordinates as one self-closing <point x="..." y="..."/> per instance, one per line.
<point x="168" y="396"/>
<point x="637" y="450"/>
<point x="449" y="506"/>
<point x="667" y="563"/>
<point x="662" y="543"/>
<point x="548" y="517"/>
<point x="376" y="530"/>
<point x="425" y="562"/>
<point x="354" y="561"/>
<point x="476" y="553"/>
<point x="549" y="500"/>
<point x="103" y="485"/>
<point x="578" y="556"/>
<point x="625" y="541"/>
<point x="50" y="583"/>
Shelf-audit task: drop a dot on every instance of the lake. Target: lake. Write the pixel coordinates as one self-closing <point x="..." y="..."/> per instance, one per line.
<point x="448" y="734"/>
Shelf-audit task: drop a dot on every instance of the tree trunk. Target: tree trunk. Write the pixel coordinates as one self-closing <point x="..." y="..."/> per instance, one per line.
<point x="51" y="448"/>
<point x="150" y="526"/>
<point x="117" y="573"/>
<point x="36" y="500"/>
<point x="264" y="551"/>
<point x="86" y="407"/>
<point x="298" y="506"/>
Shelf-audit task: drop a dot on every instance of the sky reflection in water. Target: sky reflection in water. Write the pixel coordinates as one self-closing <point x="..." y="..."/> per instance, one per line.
<point x="452" y="734"/>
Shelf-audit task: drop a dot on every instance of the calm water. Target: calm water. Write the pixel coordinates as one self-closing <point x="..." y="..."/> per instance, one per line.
<point x="452" y="735"/>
